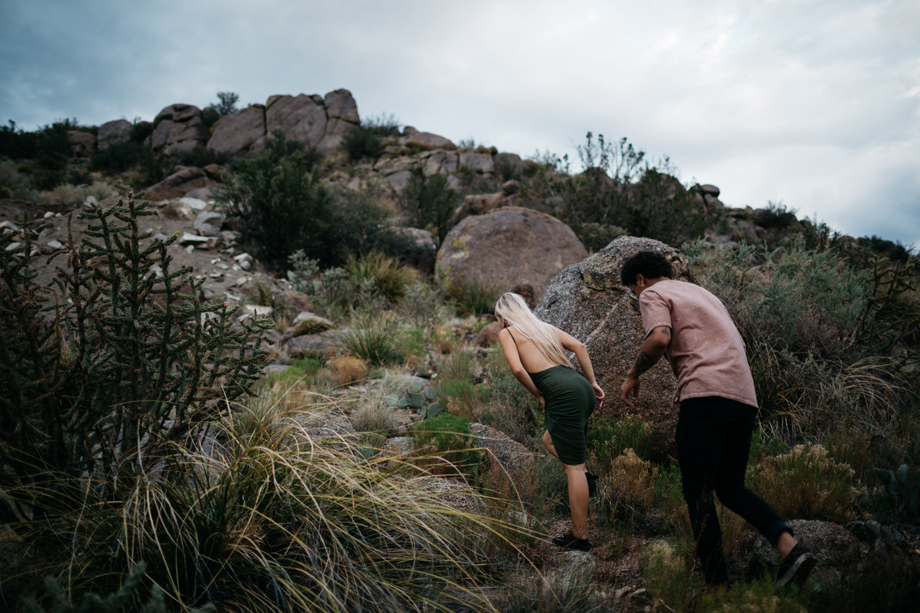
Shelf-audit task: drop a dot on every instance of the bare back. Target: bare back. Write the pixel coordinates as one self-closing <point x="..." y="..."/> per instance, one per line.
<point x="532" y="359"/>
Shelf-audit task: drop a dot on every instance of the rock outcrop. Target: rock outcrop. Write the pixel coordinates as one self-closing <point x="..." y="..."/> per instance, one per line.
<point x="239" y="132"/>
<point x="113" y="132"/>
<point x="506" y="247"/>
<point x="588" y="301"/>
<point x="178" y="129"/>
<point x="178" y="184"/>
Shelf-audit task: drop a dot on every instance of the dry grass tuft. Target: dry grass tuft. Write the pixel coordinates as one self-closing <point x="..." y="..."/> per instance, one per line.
<point x="347" y="370"/>
<point x="806" y="484"/>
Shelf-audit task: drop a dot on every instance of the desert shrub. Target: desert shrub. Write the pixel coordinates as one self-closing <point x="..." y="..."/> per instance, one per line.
<point x="347" y="370"/>
<point x="456" y="375"/>
<point x="298" y="370"/>
<point x="422" y="306"/>
<point x="775" y="215"/>
<point x="431" y="203"/>
<point x="806" y="484"/>
<point x="667" y="575"/>
<point x="77" y="194"/>
<point x="373" y="337"/>
<point x="330" y="290"/>
<point x="283" y="205"/>
<point x="201" y="156"/>
<point x="122" y="157"/>
<point x="450" y="438"/>
<point x="16" y="182"/>
<point x="474" y="297"/>
<point x="366" y="140"/>
<point x="388" y="275"/>
<point x="627" y="486"/>
<point x="276" y="521"/>
<point x="595" y="236"/>
<point x="755" y="596"/>
<point x="608" y="438"/>
<point x="126" y="360"/>
<point x="620" y="187"/>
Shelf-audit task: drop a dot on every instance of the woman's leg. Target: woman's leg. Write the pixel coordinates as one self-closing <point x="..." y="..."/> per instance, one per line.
<point x="548" y="443"/>
<point x="578" y="498"/>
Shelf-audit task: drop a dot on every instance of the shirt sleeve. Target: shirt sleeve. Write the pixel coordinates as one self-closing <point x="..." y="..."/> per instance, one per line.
<point x="655" y="311"/>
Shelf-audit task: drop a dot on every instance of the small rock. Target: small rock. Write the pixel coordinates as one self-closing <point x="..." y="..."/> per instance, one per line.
<point x="308" y="323"/>
<point x="56" y="245"/>
<point x="13" y="246"/>
<point x="710" y="189"/>
<point x="195" y="204"/>
<point x="90" y="201"/>
<point x="159" y="236"/>
<point x="255" y="310"/>
<point x="177" y="210"/>
<point x="48" y="215"/>
<point x="190" y="248"/>
<point x="208" y="223"/>
<point x="229" y="236"/>
<point x="8" y="226"/>
<point x="193" y="239"/>
<point x="511" y="187"/>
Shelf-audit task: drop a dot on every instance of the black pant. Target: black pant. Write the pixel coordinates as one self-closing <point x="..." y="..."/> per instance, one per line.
<point x="713" y="443"/>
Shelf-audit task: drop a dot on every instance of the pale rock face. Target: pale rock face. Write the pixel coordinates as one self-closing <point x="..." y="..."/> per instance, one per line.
<point x="332" y="138"/>
<point x="237" y="133"/>
<point x="427" y="140"/>
<point x="179" y="129"/>
<point x="208" y="223"/>
<point x="506" y="247"/>
<point x="178" y="184"/>
<point x="398" y="181"/>
<point x="118" y="131"/>
<point x="341" y="104"/>
<point x="477" y="161"/>
<point x="299" y="118"/>
<point x="588" y="301"/>
<point x="441" y="162"/>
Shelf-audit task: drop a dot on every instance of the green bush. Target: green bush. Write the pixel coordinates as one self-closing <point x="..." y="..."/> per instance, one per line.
<point x="608" y="438"/>
<point x="431" y="203"/>
<point x="373" y="337"/>
<point x="755" y="596"/>
<point x="366" y="140"/>
<point x="122" y="157"/>
<point x="283" y="205"/>
<point x="16" y="182"/>
<point x="387" y="275"/>
<point x="667" y="576"/>
<point x="449" y="437"/>
<point x="595" y="236"/>
<point x="474" y="297"/>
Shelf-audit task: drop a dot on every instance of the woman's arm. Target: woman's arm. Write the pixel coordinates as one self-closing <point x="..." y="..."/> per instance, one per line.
<point x="581" y="352"/>
<point x="514" y="361"/>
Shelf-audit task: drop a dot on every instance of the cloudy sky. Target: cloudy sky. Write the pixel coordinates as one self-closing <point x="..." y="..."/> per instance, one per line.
<point x="815" y="103"/>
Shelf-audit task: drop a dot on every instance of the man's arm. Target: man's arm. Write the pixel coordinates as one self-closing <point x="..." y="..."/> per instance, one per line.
<point x="655" y="345"/>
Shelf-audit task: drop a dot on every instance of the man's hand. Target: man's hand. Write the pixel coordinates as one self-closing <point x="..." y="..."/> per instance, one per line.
<point x="630" y="384"/>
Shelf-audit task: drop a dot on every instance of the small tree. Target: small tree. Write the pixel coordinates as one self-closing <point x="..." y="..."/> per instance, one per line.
<point x="226" y="104"/>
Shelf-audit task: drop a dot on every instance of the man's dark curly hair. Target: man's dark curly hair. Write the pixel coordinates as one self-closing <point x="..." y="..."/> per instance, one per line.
<point x="649" y="264"/>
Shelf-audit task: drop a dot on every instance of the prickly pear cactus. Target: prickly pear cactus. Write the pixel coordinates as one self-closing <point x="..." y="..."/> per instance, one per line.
<point x="423" y="400"/>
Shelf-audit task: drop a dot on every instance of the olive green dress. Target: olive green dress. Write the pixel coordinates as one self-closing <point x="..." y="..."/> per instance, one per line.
<point x="570" y="401"/>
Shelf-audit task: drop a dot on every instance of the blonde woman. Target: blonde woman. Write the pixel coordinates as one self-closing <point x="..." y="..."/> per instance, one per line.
<point x="535" y="352"/>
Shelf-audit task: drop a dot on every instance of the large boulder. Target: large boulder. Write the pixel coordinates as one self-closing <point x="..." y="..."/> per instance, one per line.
<point x="424" y="140"/>
<point x="81" y="142"/>
<point x="506" y="247"/>
<point x="301" y="118"/>
<point x="341" y="104"/>
<point x="441" y="162"/>
<point x="113" y="132"/>
<point x="238" y="132"/>
<point x="587" y="301"/>
<point x="480" y="204"/>
<point x="178" y="129"/>
<point x="178" y="184"/>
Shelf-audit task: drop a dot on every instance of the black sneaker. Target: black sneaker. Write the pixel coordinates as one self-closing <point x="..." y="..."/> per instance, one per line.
<point x="569" y="541"/>
<point x="796" y="566"/>
<point x="592" y="484"/>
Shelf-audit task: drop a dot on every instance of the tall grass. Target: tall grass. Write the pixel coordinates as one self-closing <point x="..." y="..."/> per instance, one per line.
<point x="388" y="275"/>
<point x="269" y="519"/>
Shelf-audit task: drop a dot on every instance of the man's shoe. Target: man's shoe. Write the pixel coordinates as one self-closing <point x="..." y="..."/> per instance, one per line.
<point x="568" y="541"/>
<point x="796" y="566"/>
<point x="592" y="484"/>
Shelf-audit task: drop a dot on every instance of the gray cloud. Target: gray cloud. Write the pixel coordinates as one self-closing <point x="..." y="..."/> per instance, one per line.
<point x="816" y="104"/>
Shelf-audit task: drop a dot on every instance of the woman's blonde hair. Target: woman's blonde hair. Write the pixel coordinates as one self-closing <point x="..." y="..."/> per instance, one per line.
<point x="512" y="308"/>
